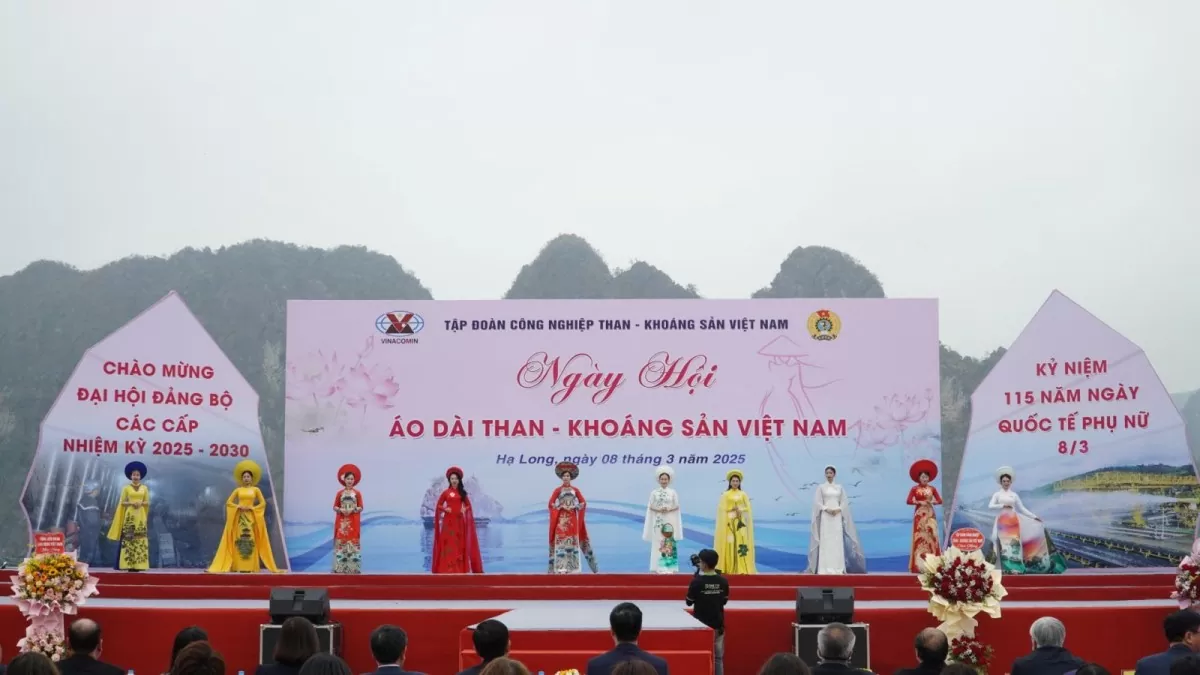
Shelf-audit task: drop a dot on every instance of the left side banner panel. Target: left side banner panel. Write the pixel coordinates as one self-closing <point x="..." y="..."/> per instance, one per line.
<point x="161" y="392"/>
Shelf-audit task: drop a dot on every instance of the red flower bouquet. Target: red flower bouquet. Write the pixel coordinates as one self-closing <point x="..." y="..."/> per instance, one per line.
<point x="971" y="652"/>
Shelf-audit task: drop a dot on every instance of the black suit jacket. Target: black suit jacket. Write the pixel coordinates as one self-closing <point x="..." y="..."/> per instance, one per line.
<point x="1160" y="663"/>
<point x="626" y="651"/>
<point x="923" y="669"/>
<point x="473" y="670"/>
<point x="82" y="664"/>
<point x="1046" y="661"/>
<point x="834" y="668"/>
<point x="392" y="670"/>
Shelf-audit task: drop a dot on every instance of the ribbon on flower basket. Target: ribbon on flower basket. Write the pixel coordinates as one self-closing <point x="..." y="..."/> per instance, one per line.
<point x="46" y="588"/>
<point x="961" y="586"/>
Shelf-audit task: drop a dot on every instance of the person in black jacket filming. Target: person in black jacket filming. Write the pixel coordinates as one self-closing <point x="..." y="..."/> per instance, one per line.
<point x="707" y="594"/>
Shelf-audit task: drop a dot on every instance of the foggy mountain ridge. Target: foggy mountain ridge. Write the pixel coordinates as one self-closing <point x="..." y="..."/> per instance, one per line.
<point x="54" y="312"/>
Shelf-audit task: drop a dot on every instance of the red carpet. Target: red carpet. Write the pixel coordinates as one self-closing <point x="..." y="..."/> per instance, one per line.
<point x="137" y="637"/>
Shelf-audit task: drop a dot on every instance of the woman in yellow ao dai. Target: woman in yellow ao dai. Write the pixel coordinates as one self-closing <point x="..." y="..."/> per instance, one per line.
<point x="245" y="540"/>
<point x="733" y="537"/>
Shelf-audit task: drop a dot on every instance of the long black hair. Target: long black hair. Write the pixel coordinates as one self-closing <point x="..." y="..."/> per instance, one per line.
<point x="462" y="487"/>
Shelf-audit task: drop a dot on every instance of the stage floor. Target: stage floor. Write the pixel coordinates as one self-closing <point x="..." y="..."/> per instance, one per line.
<point x="1113" y="618"/>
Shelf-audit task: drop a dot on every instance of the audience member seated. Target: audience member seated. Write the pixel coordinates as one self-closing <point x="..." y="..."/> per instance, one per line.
<point x="784" y="664"/>
<point x="1092" y="669"/>
<point x="325" y="664"/>
<point x="388" y="646"/>
<point x="633" y="668"/>
<point x="32" y="663"/>
<point x="932" y="647"/>
<point x="83" y="639"/>
<point x="198" y="658"/>
<point x="1048" y="657"/>
<point x="835" y="645"/>
<point x="491" y="642"/>
<point x="505" y="666"/>
<point x="1182" y="630"/>
<point x="1187" y="665"/>
<point x="184" y="638"/>
<point x="625" y="622"/>
<point x="960" y="669"/>
<point x="297" y="644"/>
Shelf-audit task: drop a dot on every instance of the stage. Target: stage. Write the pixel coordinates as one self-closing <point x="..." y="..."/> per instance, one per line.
<point x="1111" y="618"/>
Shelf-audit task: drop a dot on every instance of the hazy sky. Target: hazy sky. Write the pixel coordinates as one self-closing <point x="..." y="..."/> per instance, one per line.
<point x="982" y="153"/>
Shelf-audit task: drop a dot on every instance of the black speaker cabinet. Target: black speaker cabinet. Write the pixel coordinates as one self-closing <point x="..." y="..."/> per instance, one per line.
<point x="310" y="603"/>
<point x="329" y="638"/>
<point x="824" y="605"/>
<point x="804" y="643"/>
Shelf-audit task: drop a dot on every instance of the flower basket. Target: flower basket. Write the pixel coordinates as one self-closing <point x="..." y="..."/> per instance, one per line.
<point x="970" y="652"/>
<point x="46" y="641"/>
<point x="572" y="671"/>
<point x="1187" y="584"/>
<point x="961" y="586"/>
<point x="49" y="584"/>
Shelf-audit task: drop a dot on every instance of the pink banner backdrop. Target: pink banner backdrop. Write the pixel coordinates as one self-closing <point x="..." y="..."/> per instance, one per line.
<point x="158" y="391"/>
<point x="1093" y="443"/>
<point x="776" y="389"/>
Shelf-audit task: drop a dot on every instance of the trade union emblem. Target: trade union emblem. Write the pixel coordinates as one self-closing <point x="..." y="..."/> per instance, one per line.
<point x="824" y="325"/>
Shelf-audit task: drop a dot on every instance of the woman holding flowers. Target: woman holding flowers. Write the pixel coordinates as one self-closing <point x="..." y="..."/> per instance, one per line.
<point x="245" y="541"/>
<point x="130" y="521"/>
<point x="733" y="536"/>
<point x="347" y="522"/>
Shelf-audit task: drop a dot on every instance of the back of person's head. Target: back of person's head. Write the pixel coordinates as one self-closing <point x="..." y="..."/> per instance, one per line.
<point x="625" y="620"/>
<point x="325" y="664"/>
<point x="1092" y="669"/>
<point x="932" y="646"/>
<point x="709" y="557"/>
<point x="297" y="642"/>
<point x="83" y="637"/>
<point x="1188" y="665"/>
<point x="1048" y="632"/>
<point x="491" y="639"/>
<point x="505" y="666"/>
<point x="784" y="664"/>
<point x="835" y="642"/>
<point x="32" y="663"/>
<point x="1178" y="625"/>
<point x="959" y="669"/>
<point x="388" y="644"/>
<point x="198" y="658"/>
<point x="184" y="638"/>
<point x="634" y="667"/>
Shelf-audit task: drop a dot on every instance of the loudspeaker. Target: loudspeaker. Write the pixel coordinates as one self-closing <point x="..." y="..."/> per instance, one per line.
<point x="824" y="605"/>
<point x="310" y="603"/>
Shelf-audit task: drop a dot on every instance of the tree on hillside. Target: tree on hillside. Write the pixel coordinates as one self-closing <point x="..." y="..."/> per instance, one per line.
<point x="821" y="272"/>
<point x="54" y="313"/>
<point x="643" y="280"/>
<point x="566" y="268"/>
<point x="960" y="376"/>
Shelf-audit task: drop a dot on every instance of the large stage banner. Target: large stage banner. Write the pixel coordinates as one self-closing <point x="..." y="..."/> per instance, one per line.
<point x="776" y="389"/>
<point x="1077" y="423"/>
<point x="161" y="392"/>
